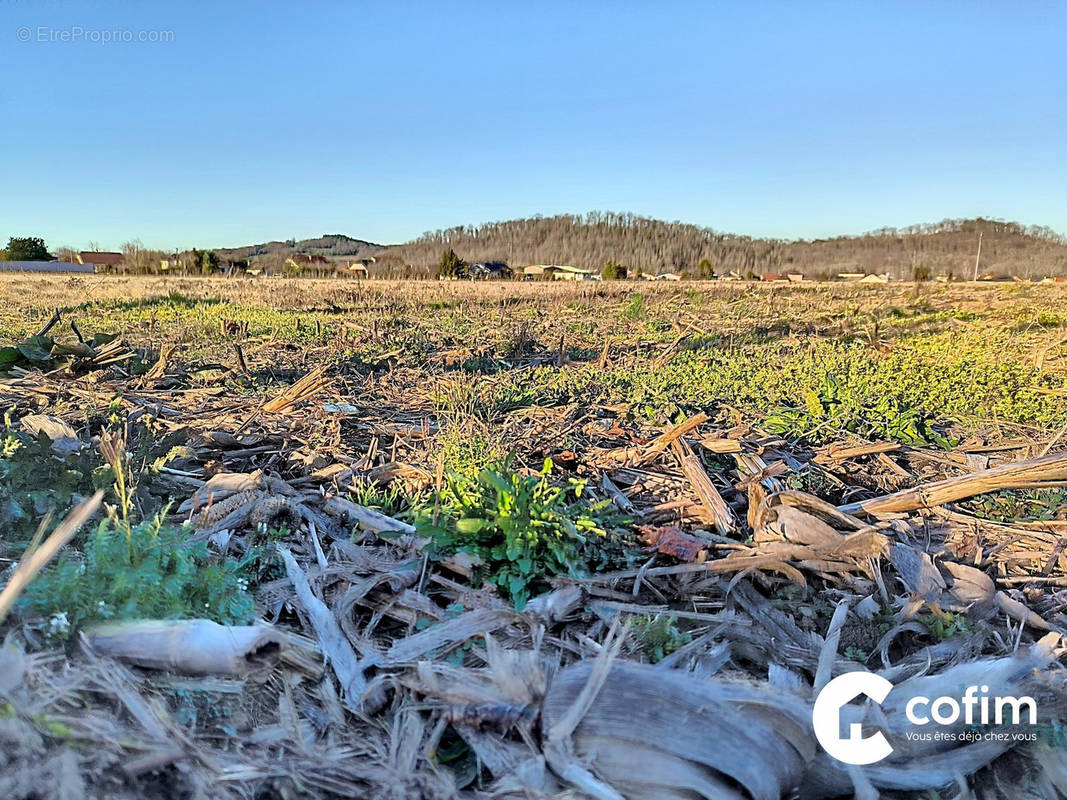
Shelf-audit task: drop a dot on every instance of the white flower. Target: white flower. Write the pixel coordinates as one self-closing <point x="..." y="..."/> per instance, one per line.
<point x="58" y="623"/>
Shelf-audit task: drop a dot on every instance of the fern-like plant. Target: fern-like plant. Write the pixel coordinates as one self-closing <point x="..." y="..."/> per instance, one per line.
<point x="144" y="571"/>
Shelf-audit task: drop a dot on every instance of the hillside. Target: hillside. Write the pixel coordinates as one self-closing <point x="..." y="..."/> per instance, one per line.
<point x="331" y="245"/>
<point x="949" y="246"/>
<point x="657" y="246"/>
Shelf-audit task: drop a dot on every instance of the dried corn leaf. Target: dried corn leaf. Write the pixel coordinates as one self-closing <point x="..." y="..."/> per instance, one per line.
<point x="713" y="733"/>
<point x="190" y="647"/>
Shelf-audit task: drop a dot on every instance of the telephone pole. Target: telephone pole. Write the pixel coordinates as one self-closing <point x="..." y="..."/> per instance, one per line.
<point x="978" y="257"/>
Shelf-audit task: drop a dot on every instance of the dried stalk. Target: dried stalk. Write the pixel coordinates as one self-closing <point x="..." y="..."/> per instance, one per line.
<point x="34" y="562"/>
<point x="718" y="511"/>
<point x="1034" y="473"/>
<point x="663" y="441"/>
<point x="305" y="388"/>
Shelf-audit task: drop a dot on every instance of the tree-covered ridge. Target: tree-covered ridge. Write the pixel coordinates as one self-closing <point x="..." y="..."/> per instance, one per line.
<point x="657" y="246"/>
<point x="639" y="244"/>
<point x="329" y="244"/>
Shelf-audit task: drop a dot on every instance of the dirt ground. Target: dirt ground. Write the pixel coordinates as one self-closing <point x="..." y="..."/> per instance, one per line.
<point x="524" y="539"/>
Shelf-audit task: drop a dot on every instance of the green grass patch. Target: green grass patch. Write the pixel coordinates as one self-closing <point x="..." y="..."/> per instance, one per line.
<point x="814" y="387"/>
<point x="523" y="527"/>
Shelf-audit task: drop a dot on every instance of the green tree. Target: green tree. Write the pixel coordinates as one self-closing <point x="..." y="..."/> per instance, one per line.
<point x="451" y="265"/>
<point x="613" y="271"/>
<point x="30" y="248"/>
<point x="705" y="271"/>
<point x="206" y="261"/>
<point x="209" y="262"/>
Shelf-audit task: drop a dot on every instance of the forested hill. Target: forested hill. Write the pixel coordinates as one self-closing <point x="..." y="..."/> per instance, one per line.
<point x="657" y="246"/>
<point x="329" y="244"/>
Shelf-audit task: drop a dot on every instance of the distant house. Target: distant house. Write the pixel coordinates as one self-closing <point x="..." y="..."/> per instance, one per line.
<point x="732" y="275"/>
<point x="568" y="273"/>
<point x="361" y="268"/>
<point x="178" y="262"/>
<point x="101" y="261"/>
<point x="668" y="276"/>
<point x="171" y="264"/>
<point x="358" y="270"/>
<point x="771" y="277"/>
<point x="795" y="277"/>
<point x="557" y="272"/>
<point x="875" y="279"/>
<point x="489" y="270"/>
<point x="851" y="276"/>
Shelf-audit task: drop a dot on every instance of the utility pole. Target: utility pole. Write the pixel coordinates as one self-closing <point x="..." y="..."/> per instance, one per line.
<point x="978" y="257"/>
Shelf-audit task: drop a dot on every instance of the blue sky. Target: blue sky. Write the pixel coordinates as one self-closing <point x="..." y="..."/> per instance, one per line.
<point x="382" y="120"/>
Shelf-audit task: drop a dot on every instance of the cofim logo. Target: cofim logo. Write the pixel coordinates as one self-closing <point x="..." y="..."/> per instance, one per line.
<point x="972" y="708"/>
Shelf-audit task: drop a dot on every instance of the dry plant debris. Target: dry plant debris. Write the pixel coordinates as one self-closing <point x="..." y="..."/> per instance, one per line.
<point x="674" y="652"/>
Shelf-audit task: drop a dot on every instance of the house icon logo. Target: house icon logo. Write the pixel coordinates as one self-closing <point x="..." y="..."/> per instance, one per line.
<point x="826" y="718"/>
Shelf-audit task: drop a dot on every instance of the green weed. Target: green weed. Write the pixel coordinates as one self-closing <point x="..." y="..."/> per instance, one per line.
<point x="857" y="654"/>
<point x="466" y="447"/>
<point x="657" y="635"/>
<point x="393" y="499"/>
<point x="837" y="408"/>
<point x="521" y="526"/>
<point x="35" y="482"/>
<point x="1019" y="504"/>
<point x="148" y="570"/>
<point x="635" y="309"/>
<point x="944" y="626"/>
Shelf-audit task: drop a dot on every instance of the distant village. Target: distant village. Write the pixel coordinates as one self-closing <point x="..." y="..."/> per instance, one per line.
<point x="386" y="265"/>
<point x="318" y="266"/>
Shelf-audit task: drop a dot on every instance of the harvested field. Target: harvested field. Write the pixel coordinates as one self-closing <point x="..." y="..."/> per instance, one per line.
<point x="432" y="540"/>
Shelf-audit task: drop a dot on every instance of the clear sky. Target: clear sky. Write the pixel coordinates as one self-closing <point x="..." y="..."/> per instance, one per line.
<point x="260" y="121"/>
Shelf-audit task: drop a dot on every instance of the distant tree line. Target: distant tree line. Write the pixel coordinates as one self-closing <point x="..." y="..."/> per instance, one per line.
<point x="654" y="246"/>
<point x="620" y="245"/>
